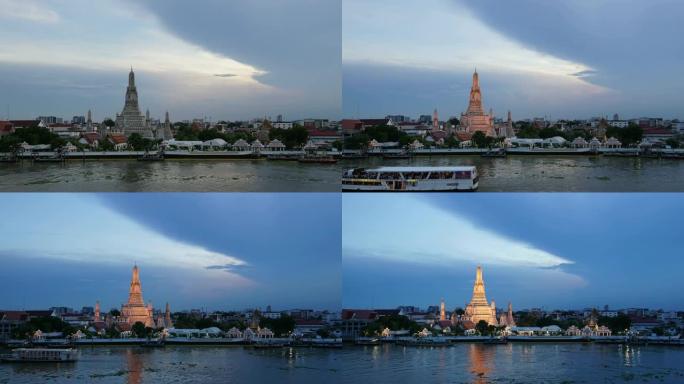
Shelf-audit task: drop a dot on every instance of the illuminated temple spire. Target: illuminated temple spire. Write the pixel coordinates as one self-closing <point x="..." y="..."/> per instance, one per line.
<point x="442" y="311"/>
<point x="135" y="292"/>
<point x="478" y="308"/>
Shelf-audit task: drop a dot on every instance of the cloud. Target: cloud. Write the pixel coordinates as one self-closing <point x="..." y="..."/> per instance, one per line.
<point x="412" y="231"/>
<point x="27" y="10"/>
<point x="98" y="234"/>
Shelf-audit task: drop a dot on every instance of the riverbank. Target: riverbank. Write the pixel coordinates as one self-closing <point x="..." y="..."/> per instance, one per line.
<point x="448" y="340"/>
<point x="270" y="342"/>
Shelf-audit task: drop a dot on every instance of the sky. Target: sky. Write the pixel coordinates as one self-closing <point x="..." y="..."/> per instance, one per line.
<point x="224" y="60"/>
<point x="541" y="250"/>
<point x="537" y="58"/>
<point x="194" y="250"/>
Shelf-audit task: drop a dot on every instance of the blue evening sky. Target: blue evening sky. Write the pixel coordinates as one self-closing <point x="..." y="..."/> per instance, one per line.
<point x="559" y="59"/>
<point x="194" y="250"/>
<point x="537" y="250"/>
<point x="237" y="59"/>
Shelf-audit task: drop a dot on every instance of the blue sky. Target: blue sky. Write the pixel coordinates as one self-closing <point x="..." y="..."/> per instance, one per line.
<point x="560" y="59"/>
<point x="65" y="57"/>
<point x="537" y="250"/>
<point x="194" y="250"/>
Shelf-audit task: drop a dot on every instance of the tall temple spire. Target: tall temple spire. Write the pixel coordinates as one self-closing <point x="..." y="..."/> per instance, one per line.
<point x="96" y="315"/>
<point x="442" y="310"/>
<point x="135" y="291"/>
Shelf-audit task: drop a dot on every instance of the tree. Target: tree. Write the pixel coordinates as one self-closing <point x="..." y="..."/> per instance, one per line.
<point x="140" y="143"/>
<point x="482" y="327"/>
<point x="481" y="140"/>
<point x="292" y="138"/>
<point x="109" y="122"/>
<point x="139" y="329"/>
<point x="282" y="326"/>
<point x="115" y="312"/>
<point x="672" y="142"/>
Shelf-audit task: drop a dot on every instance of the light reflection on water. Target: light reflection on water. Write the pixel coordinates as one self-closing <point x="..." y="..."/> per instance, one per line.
<point x="513" y="363"/>
<point x="137" y="365"/>
<point x="515" y="173"/>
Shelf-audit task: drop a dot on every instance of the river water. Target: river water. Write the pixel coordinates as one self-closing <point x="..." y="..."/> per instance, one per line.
<point x="514" y="363"/>
<point x="136" y="365"/>
<point x="511" y="174"/>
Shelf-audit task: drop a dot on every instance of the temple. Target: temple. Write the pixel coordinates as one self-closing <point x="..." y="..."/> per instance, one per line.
<point x="506" y="319"/>
<point x="131" y="120"/>
<point x="135" y="309"/>
<point x="479" y="308"/>
<point x="475" y="119"/>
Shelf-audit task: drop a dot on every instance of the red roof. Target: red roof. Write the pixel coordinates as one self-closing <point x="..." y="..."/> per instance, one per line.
<point x="657" y="131"/>
<point x="6" y="126"/>
<point x="14" y="315"/>
<point x="25" y="123"/>
<point x="359" y="314"/>
<point x="118" y="139"/>
<point x="350" y="124"/>
<point x="463" y="136"/>
<point x="91" y="137"/>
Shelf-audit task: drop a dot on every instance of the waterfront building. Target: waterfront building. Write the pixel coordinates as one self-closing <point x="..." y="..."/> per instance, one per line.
<point x="442" y="311"/>
<point x="131" y="120"/>
<point x="479" y="308"/>
<point x="475" y="119"/>
<point x="135" y="309"/>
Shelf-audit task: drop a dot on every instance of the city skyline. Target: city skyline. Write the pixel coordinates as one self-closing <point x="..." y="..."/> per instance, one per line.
<point x="243" y="63"/>
<point x="406" y="250"/>
<point x="563" y="66"/>
<point x="193" y="250"/>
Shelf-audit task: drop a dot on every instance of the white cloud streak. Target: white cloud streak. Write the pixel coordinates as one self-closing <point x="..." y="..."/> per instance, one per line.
<point x="27" y="10"/>
<point x="410" y="230"/>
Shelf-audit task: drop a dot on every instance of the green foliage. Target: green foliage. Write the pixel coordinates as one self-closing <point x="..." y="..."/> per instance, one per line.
<point x="105" y="145"/>
<point x="482" y="328"/>
<point x="384" y="133"/>
<point x="393" y="322"/>
<point x="627" y="136"/>
<point x="672" y="142"/>
<point x="139" y="329"/>
<point x="115" y="312"/>
<point x="617" y="324"/>
<point x="109" y="123"/>
<point x="294" y="137"/>
<point x="45" y="324"/>
<point x="358" y="141"/>
<point x="282" y="326"/>
<point x="454" y="121"/>
<point x="139" y="143"/>
<point x="549" y="132"/>
<point x="481" y="140"/>
<point x="32" y="136"/>
<point x="452" y="142"/>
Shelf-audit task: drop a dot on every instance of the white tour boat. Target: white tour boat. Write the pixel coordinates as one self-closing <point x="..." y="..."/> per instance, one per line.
<point x="41" y="355"/>
<point x="410" y="179"/>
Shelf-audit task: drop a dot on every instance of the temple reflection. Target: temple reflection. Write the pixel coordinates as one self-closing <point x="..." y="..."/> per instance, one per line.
<point x="135" y="367"/>
<point x="481" y="362"/>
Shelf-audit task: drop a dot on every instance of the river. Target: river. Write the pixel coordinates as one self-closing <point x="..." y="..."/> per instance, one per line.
<point x="512" y="174"/>
<point x="514" y="363"/>
<point x="181" y="364"/>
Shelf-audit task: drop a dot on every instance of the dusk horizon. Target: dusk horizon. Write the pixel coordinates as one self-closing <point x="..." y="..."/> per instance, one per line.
<point x="218" y="262"/>
<point x="537" y="59"/>
<point x="529" y="248"/>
